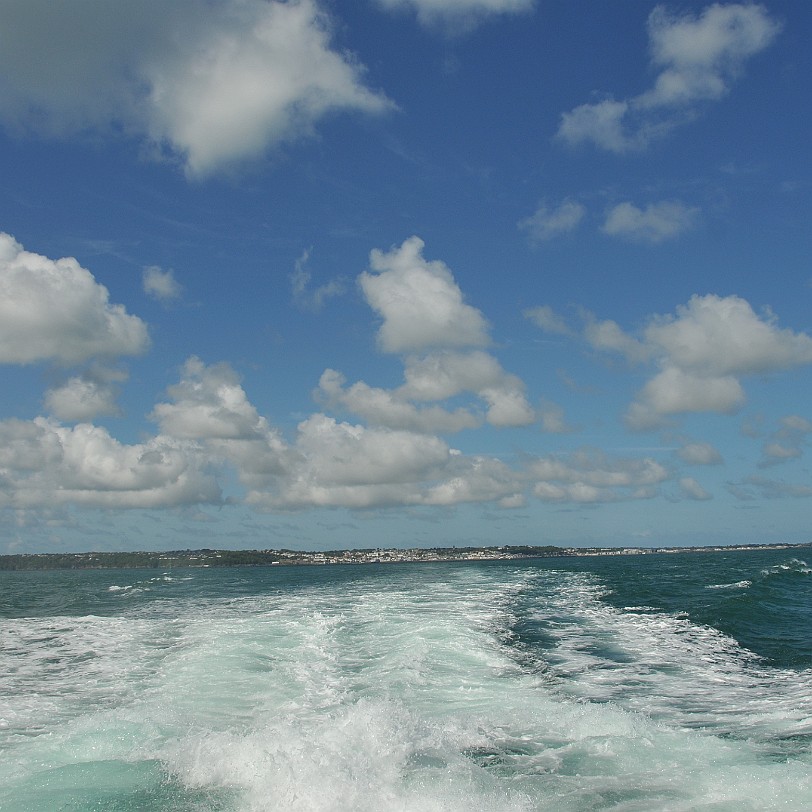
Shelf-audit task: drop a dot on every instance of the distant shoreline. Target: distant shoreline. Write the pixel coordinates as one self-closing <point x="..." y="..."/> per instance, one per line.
<point x="259" y="558"/>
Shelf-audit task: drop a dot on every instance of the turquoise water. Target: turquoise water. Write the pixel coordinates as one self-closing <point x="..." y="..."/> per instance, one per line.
<point x="659" y="682"/>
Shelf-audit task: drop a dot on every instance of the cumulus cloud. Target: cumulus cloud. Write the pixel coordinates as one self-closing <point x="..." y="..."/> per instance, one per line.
<point x="344" y="465"/>
<point x="209" y="406"/>
<point x="716" y="335"/>
<point x="208" y="403"/>
<point x="691" y="489"/>
<point x="699" y="454"/>
<point x="654" y="224"/>
<point x="420" y="303"/>
<point x="43" y="463"/>
<point x="442" y="375"/>
<point x="390" y="408"/>
<point x="55" y="310"/>
<point x="787" y="442"/>
<point x="212" y="82"/>
<point x="698" y="59"/>
<point x="339" y="464"/>
<point x="675" y="391"/>
<point x="425" y="319"/>
<point x="433" y="378"/>
<point x="546" y="223"/>
<point x="457" y="14"/>
<point x="591" y="476"/>
<point x="208" y="426"/>
<point x="83" y="397"/>
<point x="701" y="354"/>
<point x="609" y="336"/>
<point x="161" y="284"/>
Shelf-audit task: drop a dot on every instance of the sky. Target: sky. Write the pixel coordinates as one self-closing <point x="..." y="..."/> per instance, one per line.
<point x="404" y="273"/>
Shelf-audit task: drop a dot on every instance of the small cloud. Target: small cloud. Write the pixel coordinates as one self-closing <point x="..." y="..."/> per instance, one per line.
<point x="545" y="318"/>
<point x="787" y="443"/>
<point x="699" y="454"/>
<point x="547" y="222"/>
<point x="160" y="284"/>
<point x="457" y="16"/>
<point x="552" y="418"/>
<point x="306" y="297"/>
<point x="420" y="302"/>
<point x="698" y="59"/>
<point x="691" y="489"/>
<point x="84" y="397"/>
<point x="654" y="224"/>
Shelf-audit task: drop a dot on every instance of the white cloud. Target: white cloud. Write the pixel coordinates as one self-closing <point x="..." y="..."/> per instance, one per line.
<point x="654" y="224"/>
<point x="546" y="223"/>
<point x="674" y="391"/>
<point x="420" y="303"/>
<point x="601" y="123"/>
<point x="609" y="336"/>
<point x="435" y="377"/>
<point x="714" y="335"/>
<point x="215" y="82"/>
<point x="208" y="425"/>
<point x="56" y="310"/>
<point x="43" y="463"/>
<point x="548" y="320"/>
<point x="423" y="310"/>
<point x="591" y="476"/>
<point x="795" y="423"/>
<point x="345" y="465"/>
<point x="210" y="407"/>
<point x="698" y="58"/>
<point x="457" y="14"/>
<point x="699" y="454"/>
<point x="83" y="397"/>
<point x="389" y="408"/>
<point x="702" y="353"/>
<point x="787" y="442"/>
<point x="691" y="489"/>
<point x="442" y="375"/>
<point x="208" y="403"/>
<point x="307" y="297"/>
<point x="477" y="479"/>
<point x="161" y="284"/>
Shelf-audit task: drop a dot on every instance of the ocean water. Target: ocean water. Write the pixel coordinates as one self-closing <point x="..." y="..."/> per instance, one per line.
<point x="658" y="682"/>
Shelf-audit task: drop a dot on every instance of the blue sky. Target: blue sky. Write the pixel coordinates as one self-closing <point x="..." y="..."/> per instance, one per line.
<point x="404" y="273"/>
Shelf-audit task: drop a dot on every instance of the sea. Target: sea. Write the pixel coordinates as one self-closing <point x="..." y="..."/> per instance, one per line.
<point x="678" y="681"/>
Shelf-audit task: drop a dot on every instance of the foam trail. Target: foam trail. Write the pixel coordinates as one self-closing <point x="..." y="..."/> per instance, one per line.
<point x="416" y="689"/>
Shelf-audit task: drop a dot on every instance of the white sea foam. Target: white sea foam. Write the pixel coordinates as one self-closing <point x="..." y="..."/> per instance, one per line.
<point x="397" y="696"/>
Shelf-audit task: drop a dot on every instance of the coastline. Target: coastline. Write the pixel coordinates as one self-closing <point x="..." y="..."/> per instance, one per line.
<point x="204" y="558"/>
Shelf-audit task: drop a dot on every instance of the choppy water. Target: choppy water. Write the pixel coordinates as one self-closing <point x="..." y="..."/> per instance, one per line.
<point x="663" y="682"/>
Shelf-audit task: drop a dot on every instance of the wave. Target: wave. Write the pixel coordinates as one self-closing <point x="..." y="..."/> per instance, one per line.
<point x="419" y="689"/>
<point x="793" y="567"/>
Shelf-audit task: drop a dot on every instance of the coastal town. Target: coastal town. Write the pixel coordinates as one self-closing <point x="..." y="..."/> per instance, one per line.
<point x="259" y="558"/>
